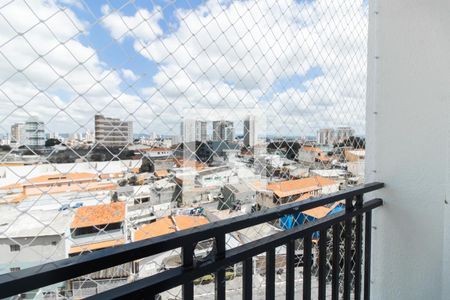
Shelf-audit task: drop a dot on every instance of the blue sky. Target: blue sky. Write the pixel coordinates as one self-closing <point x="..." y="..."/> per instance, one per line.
<point x="302" y="62"/>
<point x="123" y="55"/>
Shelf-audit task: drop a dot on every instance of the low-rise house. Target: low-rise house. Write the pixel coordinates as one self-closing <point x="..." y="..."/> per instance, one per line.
<point x="94" y="228"/>
<point x="151" y="265"/>
<point x="95" y="224"/>
<point x="356" y="164"/>
<point x="216" y="176"/>
<point x="337" y="175"/>
<point x="277" y="193"/>
<point x="236" y="194"/>
<point x="33" y="238"/>
<point x="310" y="155"/>
<point x="54" y="184"/>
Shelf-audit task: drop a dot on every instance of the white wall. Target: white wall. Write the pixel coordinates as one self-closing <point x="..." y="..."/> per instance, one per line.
<point x="34" y="251"/>
<point x="407" y="146"/>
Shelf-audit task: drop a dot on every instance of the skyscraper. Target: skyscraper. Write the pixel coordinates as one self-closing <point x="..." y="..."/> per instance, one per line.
<point x="201" y="131"/>
<point x="194" y="130"/>
<point x="113" y="132"/>
<point x="223" y="131"/>
<point x="250" y="138"/>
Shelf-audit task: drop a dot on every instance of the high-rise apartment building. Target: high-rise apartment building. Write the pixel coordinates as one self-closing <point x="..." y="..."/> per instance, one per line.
<point x="201" y="132"/>
<point x="329" y="136"/>
<point x="223" y="131"/>
<point x="250" y="135"/>
<point x="113" y="132"/>
<point x="343" y="133"/>
<point x="34" y="133"/>
<point x="18" y="134"/>
<point x="325" y="136"/>
<point x="194" y="130"/>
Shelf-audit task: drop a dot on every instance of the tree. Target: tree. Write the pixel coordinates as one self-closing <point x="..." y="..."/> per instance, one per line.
<point x="114" y="197"/>
<point x="5" y="148"/>
<point x="52" y="142"/>
<point x="354" y="142"/>
<point x="132" y="180"/>
<point x="147" y="166"/>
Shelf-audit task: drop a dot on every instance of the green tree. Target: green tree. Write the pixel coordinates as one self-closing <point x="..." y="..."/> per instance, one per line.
<point x="147" y="166"/>
<point x="52" y="142"/>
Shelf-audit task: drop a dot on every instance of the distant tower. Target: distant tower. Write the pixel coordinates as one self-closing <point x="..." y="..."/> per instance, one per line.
<point x="343" y="133"/>
<point x="18" y="134"/>
<point x="113" y="132"/>
<point x="194" y="130"/>
<point x="250" y="139"/>
<point x="325" y="136"/>
<point x="34" y="133"/>
<point x="201" y="132"/>
<point x="223" y="131"/>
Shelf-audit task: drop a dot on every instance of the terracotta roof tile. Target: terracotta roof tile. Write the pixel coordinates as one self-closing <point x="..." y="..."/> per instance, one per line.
<point x="298" y="186"/>
<point x="318" y="212"/>
<point x="102" y="214"/>
<point x="168" y="225"/>
<point x="161" y="173"/>
<point x="96" y="246"/>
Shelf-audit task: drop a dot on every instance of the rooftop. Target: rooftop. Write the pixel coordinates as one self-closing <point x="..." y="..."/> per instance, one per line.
<point x="51" y="179"/>
<point x="299" y="186"/>
<point x="310" y="148"/>
<point x="168" y="225"/>
<point x="161" y="173"/>
<point x="101" y="214"/>
<point x="96" y="246"/>
<point x="15" y="224"/>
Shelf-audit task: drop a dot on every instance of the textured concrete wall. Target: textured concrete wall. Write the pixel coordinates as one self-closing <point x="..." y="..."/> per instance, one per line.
<point x="408" y="146"/>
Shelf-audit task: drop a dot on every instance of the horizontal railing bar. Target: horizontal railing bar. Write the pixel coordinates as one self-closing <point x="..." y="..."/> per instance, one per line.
<point x="46" y="274"/>
<point x="169" y="279"/>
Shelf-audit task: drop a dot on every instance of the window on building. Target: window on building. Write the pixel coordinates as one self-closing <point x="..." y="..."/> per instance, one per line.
<point x="54" y="243"/>
<point x="14" y="248"/>
<point x="14" y="269"/>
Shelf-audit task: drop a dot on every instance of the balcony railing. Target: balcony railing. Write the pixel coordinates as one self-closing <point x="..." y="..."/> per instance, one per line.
<point x="354" y="263"/>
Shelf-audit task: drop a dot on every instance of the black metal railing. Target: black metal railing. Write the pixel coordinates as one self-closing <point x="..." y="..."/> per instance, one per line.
<point x="355" y="281"/>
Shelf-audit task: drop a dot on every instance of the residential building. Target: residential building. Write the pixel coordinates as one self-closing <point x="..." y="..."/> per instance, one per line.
<point x="236" y="194"/>
<point x="355" y="161"/>
<point x="223" y="131"/>
<point x="325" y="136"/>
<point x="201" y="132"/>
<point x="277" y="193"/>
<point x="169" y="224"/>
<point x="113" y="132"/>
<point x="94" y="228"/>
<point x="155" y="153"/>
<point x="34" y="133"/>
<point x="18" y="134"/>
<point x="33" y="238"/>
<point x="215" y="176"/>
<point x="194" y="130"/>
<point x="250" y="134"/>
<point x="311" y="154"/>
<point x="343" y="133"/>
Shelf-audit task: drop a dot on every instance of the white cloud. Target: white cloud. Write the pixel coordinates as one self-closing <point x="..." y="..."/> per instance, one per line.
<point x="231" y="55"/>
<point x="142" y="26"/>
<point x="220" y="56"/>
<point x="129" y="75"/>
<point x="47" y="71"/>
